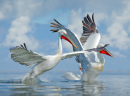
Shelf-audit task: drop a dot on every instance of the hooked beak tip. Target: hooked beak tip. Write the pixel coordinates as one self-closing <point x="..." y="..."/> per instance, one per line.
<point x="74" y="45"/>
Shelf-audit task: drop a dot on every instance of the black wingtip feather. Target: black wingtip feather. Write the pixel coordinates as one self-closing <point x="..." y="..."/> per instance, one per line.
<point x="86" y="21"/>
<point x="54" y="30"/>
<point x="85" y="25"/>
<point x="57" y="22"/>
<point x="93" y="18"/>
<point x="88" y="17"/>
<point x="21" y="46"/>
<point x="25" y="46"/>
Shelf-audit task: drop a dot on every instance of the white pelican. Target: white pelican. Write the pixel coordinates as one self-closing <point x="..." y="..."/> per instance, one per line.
<point x="91" y="63"/>
<point x="43" y="63"/>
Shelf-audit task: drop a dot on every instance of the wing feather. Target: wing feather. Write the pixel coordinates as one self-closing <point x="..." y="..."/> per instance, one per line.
<point x="25" y="57"/>
<point x="71" y="54"/>
<point x="89" y="27"/>
<point x="56" y="25"/>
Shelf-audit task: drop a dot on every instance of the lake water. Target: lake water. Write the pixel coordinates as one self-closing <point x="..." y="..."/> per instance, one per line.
<point x="52" y="84"/>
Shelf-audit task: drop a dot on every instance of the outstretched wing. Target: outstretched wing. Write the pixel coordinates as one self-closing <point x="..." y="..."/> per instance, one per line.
<point x="57" y="26"/>
<point x="25" y="57"/>
<point x="89" y="27"/>
<point x="71" y="54"/>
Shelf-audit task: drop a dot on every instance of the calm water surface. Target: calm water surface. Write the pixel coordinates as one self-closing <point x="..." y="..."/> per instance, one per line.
<point x="54" y="85"/>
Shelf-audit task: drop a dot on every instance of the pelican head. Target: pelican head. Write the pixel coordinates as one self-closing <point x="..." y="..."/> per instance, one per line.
<point x="63" y="34"/>
<point x="105" y="51"/>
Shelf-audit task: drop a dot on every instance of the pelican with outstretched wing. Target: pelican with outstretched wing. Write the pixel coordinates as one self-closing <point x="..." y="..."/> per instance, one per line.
<point x="91" y="63"/>
<point x="41" y="63"/>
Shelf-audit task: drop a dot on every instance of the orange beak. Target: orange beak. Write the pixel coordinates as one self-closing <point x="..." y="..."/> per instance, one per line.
<point x="105" y="51"/>
<point x="70" y="41"/>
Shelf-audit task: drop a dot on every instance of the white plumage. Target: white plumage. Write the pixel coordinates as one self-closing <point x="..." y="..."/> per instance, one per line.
<point x="43" y="63"/>
<point x="91" y="63"/>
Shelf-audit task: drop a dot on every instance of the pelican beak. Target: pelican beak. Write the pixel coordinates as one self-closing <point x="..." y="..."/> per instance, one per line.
<point x="67" y="38"/>
<point x="105" y="51"/>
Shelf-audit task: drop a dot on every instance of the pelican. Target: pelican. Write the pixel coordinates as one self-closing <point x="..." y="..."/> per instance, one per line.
<point x="90" y="63"/>
<point x="41" y="63"/>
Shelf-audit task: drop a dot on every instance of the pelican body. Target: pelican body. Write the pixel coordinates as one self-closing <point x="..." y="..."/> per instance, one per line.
<point x="50" y="62"/>
<point x="39" y="62"/>
<point x="90" y="63"/>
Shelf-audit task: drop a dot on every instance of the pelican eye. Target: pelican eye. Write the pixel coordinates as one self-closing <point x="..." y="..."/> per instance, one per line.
<point x="63" y="32"/>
